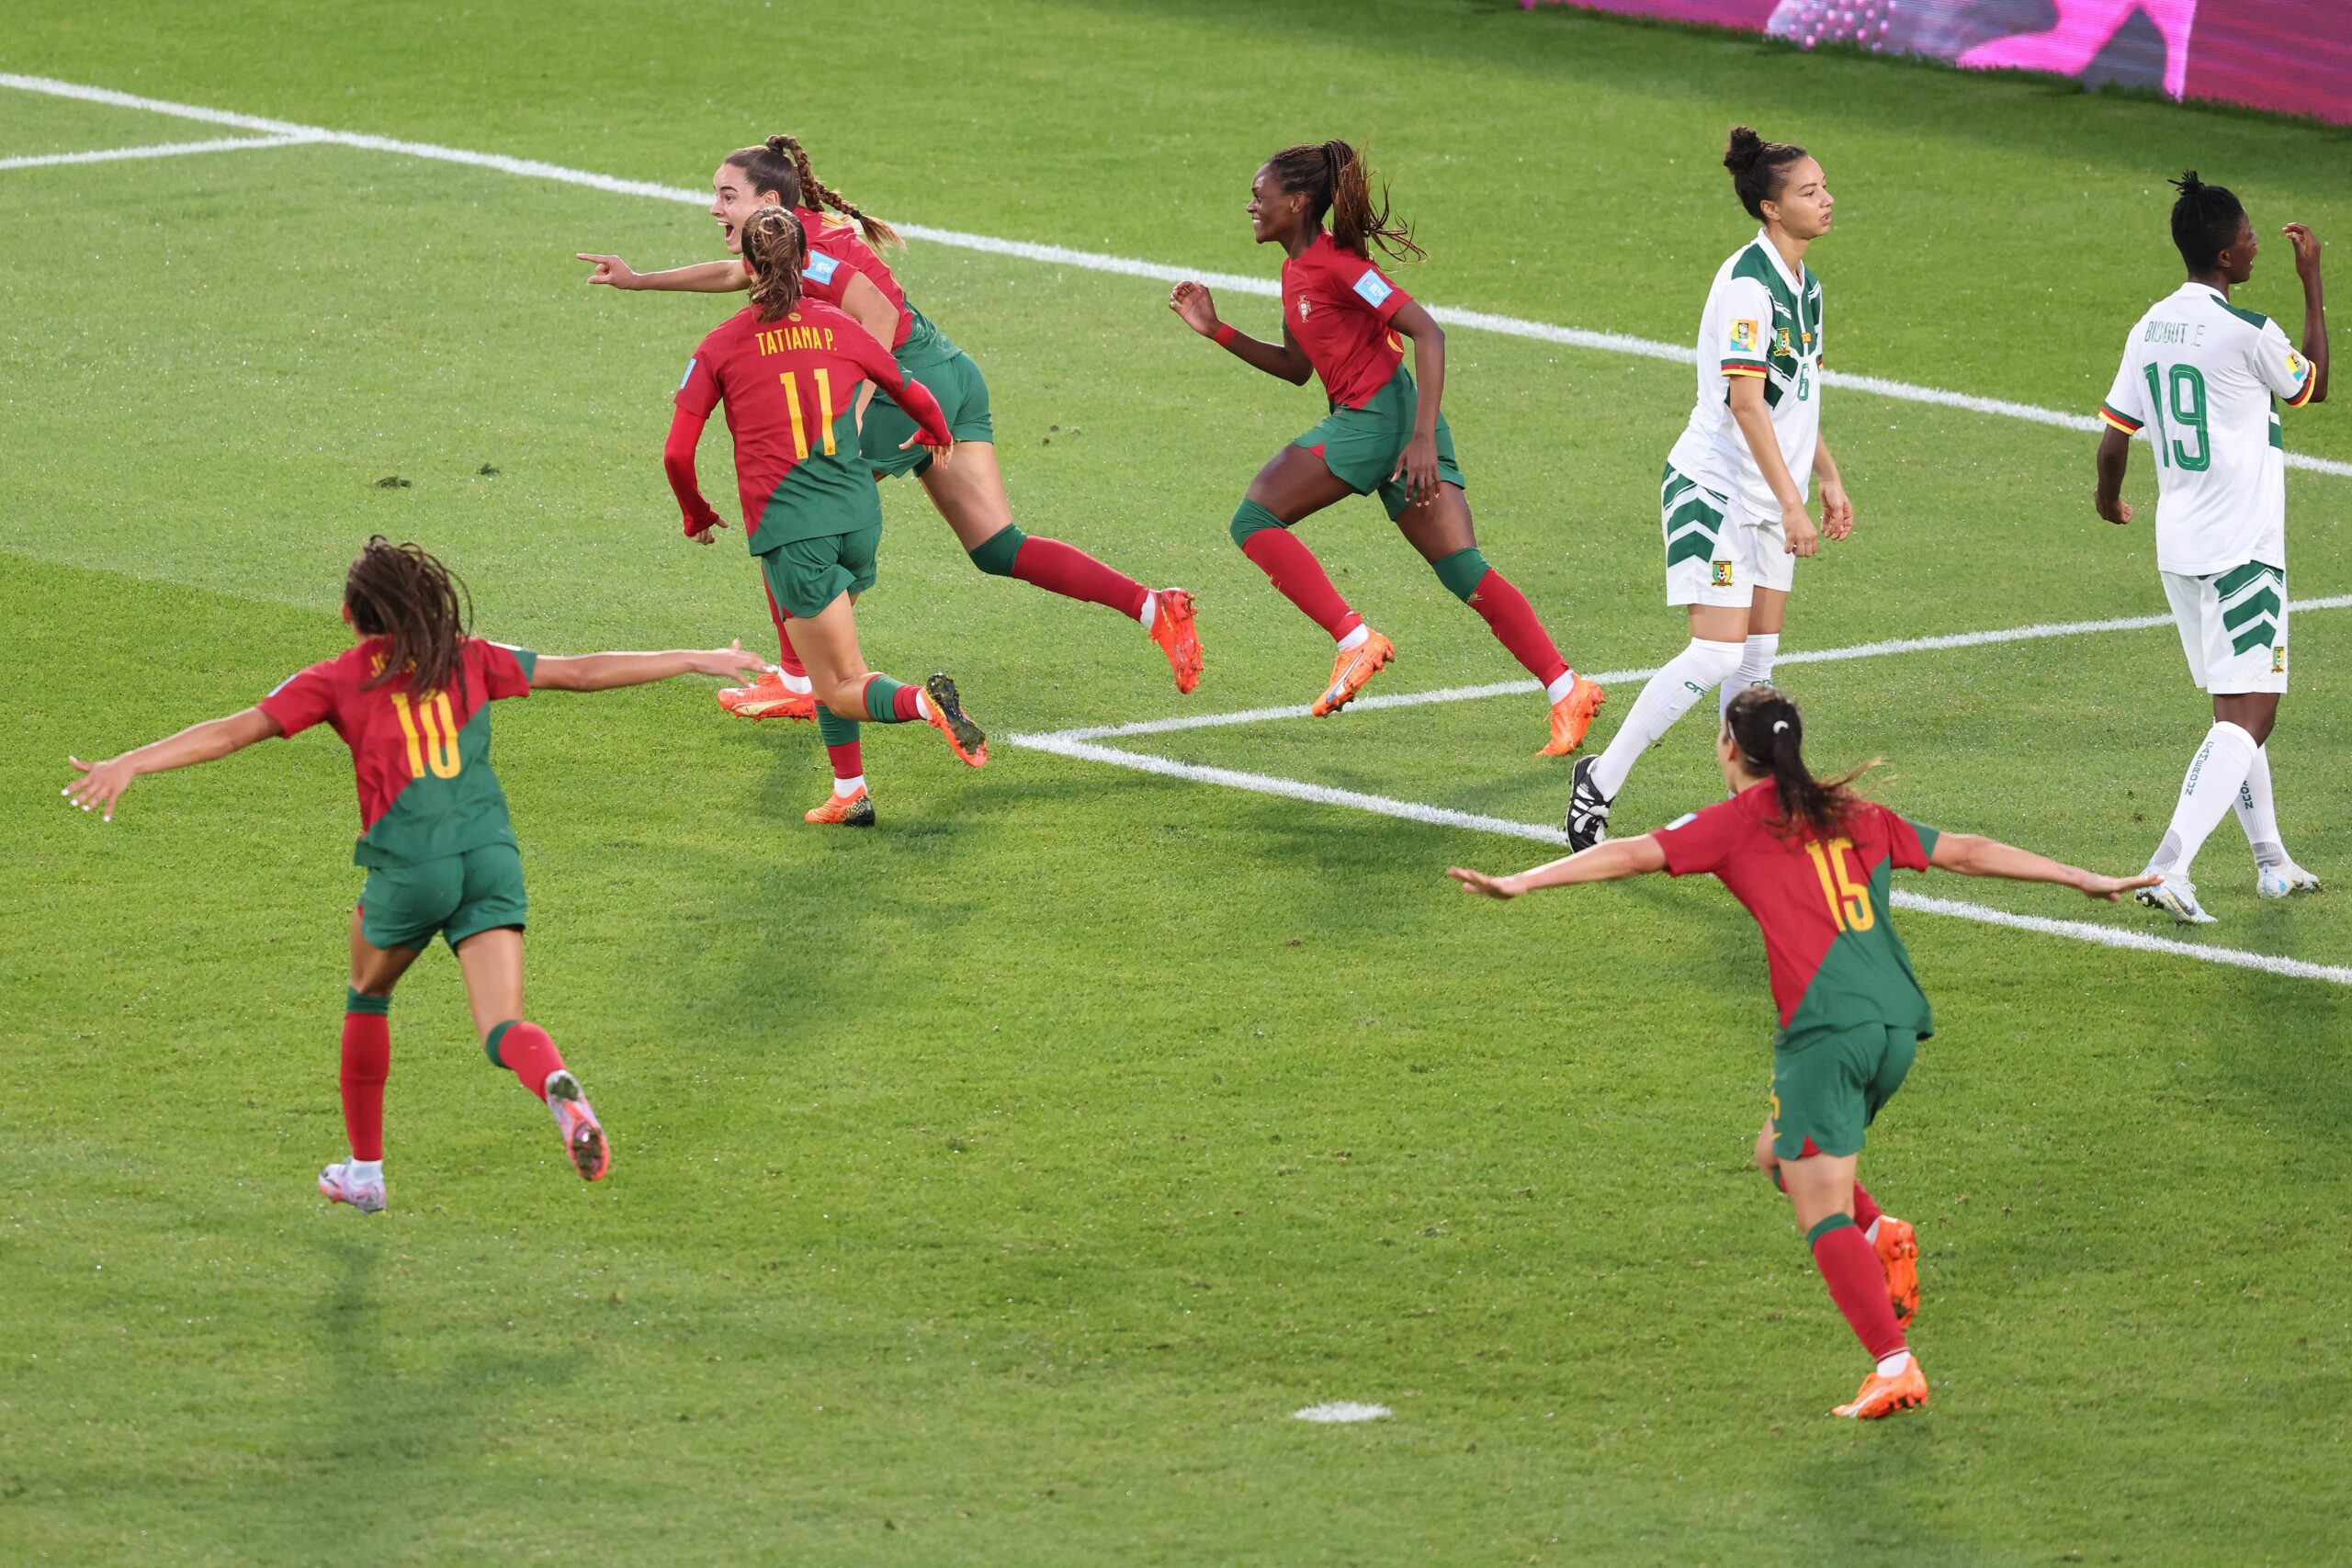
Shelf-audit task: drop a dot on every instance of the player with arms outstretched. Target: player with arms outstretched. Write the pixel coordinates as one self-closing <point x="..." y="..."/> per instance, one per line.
<point x="2201" y="379"/>
<point x="790" y="371"/>
<point x="1341" y="318"/>
<point x="411" y="700"/>
<point x="1812" y="861"/>
<point x="846" y="268"/>
<point x="1732" y="501"/>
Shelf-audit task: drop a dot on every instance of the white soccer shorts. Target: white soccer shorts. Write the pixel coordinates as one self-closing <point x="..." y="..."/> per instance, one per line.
<point x="2232" y="627"/>
<point x="1715" y="551"/>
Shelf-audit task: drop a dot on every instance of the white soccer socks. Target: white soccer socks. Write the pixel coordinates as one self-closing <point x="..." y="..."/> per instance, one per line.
<point x="1755" y="668"/>
<point x="2257" y="815"/>
<point x="1668" y="695"/>
<point x="2216" y="775"/>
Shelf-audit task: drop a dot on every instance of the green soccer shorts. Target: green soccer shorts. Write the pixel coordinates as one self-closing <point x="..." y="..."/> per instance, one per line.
<point x="1361" y="445"/>
<point x="1827" y="1086"/>
<point x="454" y="897"/>
<point x="963" y="395"/>
<point x="806" y="575"/>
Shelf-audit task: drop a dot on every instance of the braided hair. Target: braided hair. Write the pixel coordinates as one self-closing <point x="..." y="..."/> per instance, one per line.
<point x="775" y="247"/>
<point x="2205" y="221"/>
<point x="401" y="593"/>
<point x="1332" y="177"/>
<point x="1757" y="167"/>
<point x="1765" y="725"/>
<point x="781" y="165"/>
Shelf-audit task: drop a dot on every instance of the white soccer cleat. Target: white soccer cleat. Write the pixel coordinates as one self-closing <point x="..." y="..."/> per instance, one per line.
<point x="340" y="1187"/>
<point x="2177" y="897"/>
<point x="2278" y="881"/>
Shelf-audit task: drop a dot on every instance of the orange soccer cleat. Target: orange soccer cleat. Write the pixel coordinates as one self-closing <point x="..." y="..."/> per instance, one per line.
<point x="1172" y="629"/>
<point x="1906" y="1390"/>
<point x="1898" y="1255"/>
<point x="948" y="718"/>
<point x="1351" y="670"/>
<point x="1572" y="716"/>
<point x="852" y="810"/>
<point x="583" y="1135"/>
<point x="768" y="697"/>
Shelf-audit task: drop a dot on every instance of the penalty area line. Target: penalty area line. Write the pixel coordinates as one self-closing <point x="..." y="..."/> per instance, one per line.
<point x="1092" y="261"/>
<point x="1085" y="751"/>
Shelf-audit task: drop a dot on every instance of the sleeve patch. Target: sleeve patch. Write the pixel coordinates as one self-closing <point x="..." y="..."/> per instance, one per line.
<point x="689" y="376"/>
<point x="1743" y="336"/>
<point x="1683" y="821"/>
<point x="1374" y="289"/>
<point x="821" y="267"/>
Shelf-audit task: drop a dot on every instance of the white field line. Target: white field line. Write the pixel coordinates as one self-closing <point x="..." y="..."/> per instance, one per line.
<point x="1611" y="676"/>
<point x="1442" y="817"/>
<point x="160" y="150"/>
<point x="1060" y="255"/>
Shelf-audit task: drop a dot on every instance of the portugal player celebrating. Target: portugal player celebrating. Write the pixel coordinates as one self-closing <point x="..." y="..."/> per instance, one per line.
<point x="411" y="700"/>
<point x="2198" y="377"/>
<point x="1810" y="860"/>
<point x="1732" y="500"/>
<point x="846" y="268"/>
<point x="790" y="371"/>
<point x="1383" y="433"/>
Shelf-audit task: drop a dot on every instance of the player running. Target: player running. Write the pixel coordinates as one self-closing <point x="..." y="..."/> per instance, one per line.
<point x="1340" y="320"/>
<point x="846" y="268"/>
<point x="2199" y="376"/>
<point x="1812" y="860"/>
<point x="1733" y="499"/>
<point x="411" y="700"/>
<point x="790" y="371"/>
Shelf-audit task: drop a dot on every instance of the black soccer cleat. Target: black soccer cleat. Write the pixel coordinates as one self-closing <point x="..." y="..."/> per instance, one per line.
<point x="1587" y="818"/>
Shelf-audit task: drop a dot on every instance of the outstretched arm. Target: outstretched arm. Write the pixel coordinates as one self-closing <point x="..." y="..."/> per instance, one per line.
<point x="602" y="672"/>
<point x="1197" y="309"/>
<point x="1612" y="861"/>
<point x="102" y="783"/>
<point x="1972" y="856"/>
<point x="702" y="277"/>
<point x="2114" y="457"/>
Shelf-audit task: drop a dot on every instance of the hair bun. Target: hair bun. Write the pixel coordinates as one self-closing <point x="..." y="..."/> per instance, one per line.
<point x="1744" y="149"/>
<point x="2189" y="183"/>
<point x="778" y="144"/>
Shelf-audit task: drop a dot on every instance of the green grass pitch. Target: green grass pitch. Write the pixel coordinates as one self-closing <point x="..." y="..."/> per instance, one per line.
<point x="991" y="1188"/>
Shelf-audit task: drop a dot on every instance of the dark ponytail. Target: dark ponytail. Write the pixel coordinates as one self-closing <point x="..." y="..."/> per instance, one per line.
<point x="781" y="165"/>
<point x="1334" y="180"/>
<point x="2205" y="220"/>
<point x="775" y="247"/>
<point x="399" y="592"/>
<point x="1769" y="734"/>
<point x="1757" y="168"/>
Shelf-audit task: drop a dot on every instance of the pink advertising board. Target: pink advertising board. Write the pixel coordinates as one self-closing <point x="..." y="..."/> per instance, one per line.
<point x="2291" y="56"/>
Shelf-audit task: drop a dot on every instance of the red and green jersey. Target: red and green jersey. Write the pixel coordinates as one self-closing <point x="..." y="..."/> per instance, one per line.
<point x="836" y="250"/>
<point x="1822" y="902"/>
<point x="790" y="387"/>
<point x="426" y="788"/>
<point x="1338" y="305"/>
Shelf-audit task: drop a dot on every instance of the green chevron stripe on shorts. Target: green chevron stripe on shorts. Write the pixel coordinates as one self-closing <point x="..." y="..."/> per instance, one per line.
<point x="1691" y="523"/>
<point x="2251" y="597"/>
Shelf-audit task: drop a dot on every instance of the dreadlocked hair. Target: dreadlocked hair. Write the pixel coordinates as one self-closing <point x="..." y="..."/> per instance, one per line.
<point x="1757" y="168"/>
<point x="1333" y="179"/>
<point x="775" y="248"/>
<point x="1769" y="733"/>
<point x="2205" y="221"/>
<point x="399" y="592"/>
<point x="781" y="165"/>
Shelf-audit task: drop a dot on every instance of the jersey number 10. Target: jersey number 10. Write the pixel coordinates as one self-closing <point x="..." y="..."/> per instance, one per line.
<point x="824" y="412"/>
<point x="436" y="747"/>
<point x="1849" y="902"/>
<point x="2185" y="412"/>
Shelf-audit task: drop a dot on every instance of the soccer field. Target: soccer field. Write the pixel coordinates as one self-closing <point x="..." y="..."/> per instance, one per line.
<point x="995" y="1185"/>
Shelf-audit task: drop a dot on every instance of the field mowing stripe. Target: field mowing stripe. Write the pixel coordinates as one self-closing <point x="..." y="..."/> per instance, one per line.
<point x="1062" y="256"/>
<point x="160" y="150"/>
<point x="1065" y="745"/>
<point x="1611" y="676"/>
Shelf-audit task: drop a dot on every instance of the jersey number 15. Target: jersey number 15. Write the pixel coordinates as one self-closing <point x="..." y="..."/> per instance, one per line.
<point x="1850" y="901"/>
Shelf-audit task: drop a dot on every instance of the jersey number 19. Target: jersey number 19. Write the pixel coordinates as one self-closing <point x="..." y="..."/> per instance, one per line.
<point x="2184" y="411"/>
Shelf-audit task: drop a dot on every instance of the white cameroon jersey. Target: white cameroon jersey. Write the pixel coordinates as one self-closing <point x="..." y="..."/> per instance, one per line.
<point x="1762" y="321"/>
<point x="2198" y="379"/>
